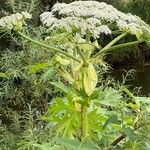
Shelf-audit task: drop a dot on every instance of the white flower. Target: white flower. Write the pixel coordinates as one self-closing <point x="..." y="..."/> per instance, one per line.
<point x="135" y="29"/>
<point x="122" y="25"/>
<point x="18" y="16"/>
<point x="9" y="22"/>
<point x="92" y="16"/>
<point x="104" y="29"/>
<point x="48" y="19"/>
<point x="45" y="15"/>
<point x="58" y="6"/>
<point x="26" y="15"/>
<point x="101" y="29"/>
<point x="94" y="21"/>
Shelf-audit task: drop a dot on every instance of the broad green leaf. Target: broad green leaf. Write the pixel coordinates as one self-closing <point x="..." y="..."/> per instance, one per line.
<point x="37" y="67"/>
<point x="69" y="144"/>
<point x="76" y="145"/>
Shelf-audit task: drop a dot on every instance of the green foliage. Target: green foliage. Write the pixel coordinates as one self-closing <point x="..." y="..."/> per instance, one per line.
<point x="76" y="145"/>
<point x="53" y="102"/>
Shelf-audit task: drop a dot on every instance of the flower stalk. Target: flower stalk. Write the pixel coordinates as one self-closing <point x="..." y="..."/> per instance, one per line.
<point x="49" y="47"/>
<point x="110" y="44"/>
<point x="84" y="122"/>
<point x="82" y="56"/>
<point x="121" y="46"/>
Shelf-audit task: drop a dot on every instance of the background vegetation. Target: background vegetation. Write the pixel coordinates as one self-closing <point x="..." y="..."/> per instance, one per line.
<point x="24" y="94"/>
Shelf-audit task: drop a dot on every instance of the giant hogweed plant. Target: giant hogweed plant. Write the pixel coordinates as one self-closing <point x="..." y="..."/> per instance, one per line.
<point x="87" y="109"/>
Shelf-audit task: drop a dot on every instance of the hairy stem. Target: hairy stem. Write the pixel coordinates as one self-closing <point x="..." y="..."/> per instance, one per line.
<point x="84" y="122"/>
<point x="82" y="56"/>
<point x="49" y="47"/>
<point x="121" y="46"/>
<point x="110" y="44"/>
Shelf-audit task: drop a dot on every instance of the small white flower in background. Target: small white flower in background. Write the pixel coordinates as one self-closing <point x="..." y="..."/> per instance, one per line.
<point x="9" y="22"/>
<point x="92" y="16"/>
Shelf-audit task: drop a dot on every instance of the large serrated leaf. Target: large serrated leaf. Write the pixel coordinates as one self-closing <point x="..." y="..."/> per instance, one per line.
<point x="61" y="86"/>
<point x="73" y="144"/>
<point x="110" y="97"/>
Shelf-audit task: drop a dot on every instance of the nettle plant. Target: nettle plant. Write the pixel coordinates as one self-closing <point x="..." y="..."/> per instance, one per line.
<point x="88" y="109"/>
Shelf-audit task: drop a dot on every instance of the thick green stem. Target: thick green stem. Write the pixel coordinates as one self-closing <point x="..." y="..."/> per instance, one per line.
<point x="84" y="122"/>
<point x="110" y="44"/>
<point x="121" y="46"/>
<point x="82" y="56"/>
<point x="49" y="47"/>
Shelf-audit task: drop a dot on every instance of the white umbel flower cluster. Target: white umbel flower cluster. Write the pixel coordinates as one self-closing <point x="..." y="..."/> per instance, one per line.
<point x="96" y="17"/>
<point x="9" y="22"/>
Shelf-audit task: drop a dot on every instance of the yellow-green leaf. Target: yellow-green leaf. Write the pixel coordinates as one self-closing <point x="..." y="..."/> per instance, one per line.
<point x="37" y="67"/>
<point x="62" y="61"/>
<point x="66" y="75"/>
<point x="89" y="79"/>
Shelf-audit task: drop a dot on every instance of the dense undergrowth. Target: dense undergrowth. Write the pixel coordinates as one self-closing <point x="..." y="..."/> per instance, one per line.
<point x="38" y="108"/>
